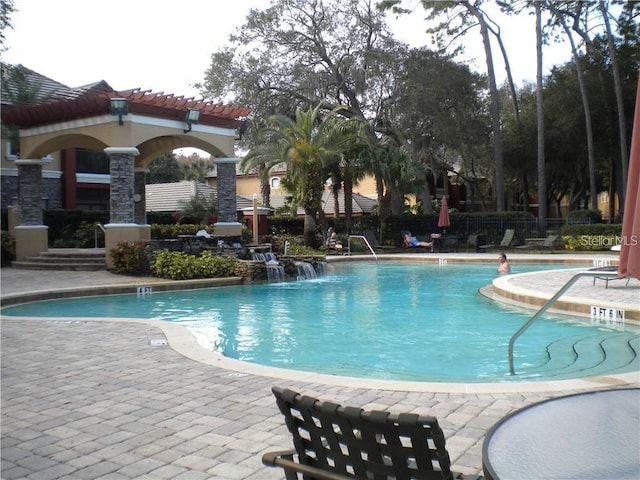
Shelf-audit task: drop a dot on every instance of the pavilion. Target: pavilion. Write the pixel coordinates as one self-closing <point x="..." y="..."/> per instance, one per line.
<point x="132" y="127"/>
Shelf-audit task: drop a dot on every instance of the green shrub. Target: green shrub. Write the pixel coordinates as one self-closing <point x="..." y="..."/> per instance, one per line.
<point x="610" y="229"/>
<point x="593" y="216"/>
<point x="209" y="265"/>
<point x="182" y="266"/>
<point x="594" y="237"/>
<point x="163" y="231"/>
<point x="246" y="236"/>
<point x="131" y="257"/>
<point x="160" y="217"/>
<point x="590" y="242"/>
<point x="63" y="223"/>
<point x="82" y="235"/>
<point x="301" y="250"/>
<point x="8" y="248"/>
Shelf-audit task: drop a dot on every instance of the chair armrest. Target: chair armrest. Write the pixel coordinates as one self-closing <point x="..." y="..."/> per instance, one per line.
<point x="284" y="459"/>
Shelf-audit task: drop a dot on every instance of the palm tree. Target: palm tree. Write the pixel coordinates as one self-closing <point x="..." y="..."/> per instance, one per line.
<point x="307" y="147"/>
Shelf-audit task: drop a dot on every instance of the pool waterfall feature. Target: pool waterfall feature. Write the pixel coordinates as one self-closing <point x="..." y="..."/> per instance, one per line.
<point x="286" y="268"/>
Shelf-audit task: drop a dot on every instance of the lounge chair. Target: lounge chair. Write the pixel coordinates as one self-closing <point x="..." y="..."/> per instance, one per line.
<point x="340" y="442"/>
<point x="608" y="278"/>
<point x="505" y="243"/>
<point x="373" y="241"/>
<point x="475" y="240"/>
<point x="549" y="243"/>
<point x="406" y="246"/>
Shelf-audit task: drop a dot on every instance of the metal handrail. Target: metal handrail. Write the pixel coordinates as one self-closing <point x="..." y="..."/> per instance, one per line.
<point x="95" y="233"/>
<point x="549" y="302"/>
<point x="365" y="241"/>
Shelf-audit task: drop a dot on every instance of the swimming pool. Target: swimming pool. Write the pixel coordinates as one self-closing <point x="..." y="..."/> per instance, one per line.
<point x="420" y="322"/>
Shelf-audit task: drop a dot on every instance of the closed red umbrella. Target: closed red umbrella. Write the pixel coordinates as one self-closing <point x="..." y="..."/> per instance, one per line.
<point x="443" y="220"/>
<point x="630" y="246"/>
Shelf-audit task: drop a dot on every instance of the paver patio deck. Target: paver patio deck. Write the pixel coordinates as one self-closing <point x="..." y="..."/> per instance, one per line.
<point x="98" y="399"/>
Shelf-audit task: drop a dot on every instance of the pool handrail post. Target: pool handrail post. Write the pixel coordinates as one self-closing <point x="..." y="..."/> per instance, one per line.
<point x="95" y="233"/>
<point x="365" y="241"/>
<point x="546" y="306"/>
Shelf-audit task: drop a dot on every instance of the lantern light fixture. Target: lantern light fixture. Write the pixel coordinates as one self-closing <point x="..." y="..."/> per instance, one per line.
<point x="119" y="107"/>
<point x="191" y="117"/>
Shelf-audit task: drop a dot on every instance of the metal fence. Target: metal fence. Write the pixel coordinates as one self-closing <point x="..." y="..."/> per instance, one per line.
<point x="524" y="228"/>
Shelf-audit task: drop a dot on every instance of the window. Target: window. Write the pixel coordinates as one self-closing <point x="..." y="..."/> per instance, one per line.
<point x="92" y="199"/>
<point x="89" y="161"/>
<point x="275" y="182"/>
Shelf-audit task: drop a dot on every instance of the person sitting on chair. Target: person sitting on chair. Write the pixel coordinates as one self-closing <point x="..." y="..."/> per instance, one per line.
<point x="411" y="241"/>
<point x="333" y="243"/>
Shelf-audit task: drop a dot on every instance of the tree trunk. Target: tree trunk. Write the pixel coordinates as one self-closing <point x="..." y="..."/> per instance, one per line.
<point x="383" y="208"/>
<point x="495" y="109"/>
<point x="309" y="227"/>
<point x="335" y="190"/>
<point x="622" y="128"/>
<point x="593" y="188"/>
<point x="542" y="181"/>
<point x="265" y="193"/>
<point x="348" y="200"/>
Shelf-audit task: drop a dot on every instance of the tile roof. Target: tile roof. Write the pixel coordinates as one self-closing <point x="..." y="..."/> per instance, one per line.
<point x="56" y="102"/>
<point x="168" y="197"/>
<point x="19" y="81"/>
<point x="361" y="204"/>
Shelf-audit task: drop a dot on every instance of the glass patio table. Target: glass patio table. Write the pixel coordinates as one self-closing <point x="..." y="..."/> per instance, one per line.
<point x="594" y="435"/>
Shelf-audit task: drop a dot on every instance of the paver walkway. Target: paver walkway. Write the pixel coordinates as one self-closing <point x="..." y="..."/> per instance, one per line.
<point x="105" y="400"/>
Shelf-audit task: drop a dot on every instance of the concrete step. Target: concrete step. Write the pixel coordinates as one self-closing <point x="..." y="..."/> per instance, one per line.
<point x="84" y="267"/>
<point x="74" y="252"/>
<point x="78" y="259"/>
<point x="55" y="259"/>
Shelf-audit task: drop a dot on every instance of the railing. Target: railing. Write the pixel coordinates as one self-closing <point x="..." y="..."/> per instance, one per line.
<point x="365" y="241"/>
<point x="95" y="233"/>
<point x="549" y="302"/>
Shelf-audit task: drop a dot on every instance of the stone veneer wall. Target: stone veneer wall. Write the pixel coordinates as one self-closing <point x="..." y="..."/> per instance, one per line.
<point x="52" y="192"/>
<point x="255" y="271"/>
<point x="227" y="208"/>
<point x="122" y="182"/>
<point x="30" y="180"/>
<point x="140" y="208"/>
<point x="9" y="191"/>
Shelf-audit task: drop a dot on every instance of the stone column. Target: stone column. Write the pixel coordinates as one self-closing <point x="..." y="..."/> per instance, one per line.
<point x="121" y="162"/>
<point x="31" y="235"/>
<point x="122" y="226"/>
<point x="30" y="191"/>
<point x="227" y="225"/>
<point x="139" y="196"/>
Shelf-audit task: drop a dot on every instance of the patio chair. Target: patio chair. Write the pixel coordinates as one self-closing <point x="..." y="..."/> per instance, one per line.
<point x="608" y="278"/>
<point x="341" y="442"/>
<point x="505" y="243"/>
<point x="429" y="248"/>
<point x="373" y="241"/>
<point x="474" y="241"/>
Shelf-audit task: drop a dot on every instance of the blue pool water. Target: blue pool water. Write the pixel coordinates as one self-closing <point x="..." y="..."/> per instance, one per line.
<point x="419" y="322"/>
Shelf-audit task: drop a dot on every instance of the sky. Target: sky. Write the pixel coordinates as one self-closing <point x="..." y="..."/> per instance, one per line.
<point x="165" y="45"/>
